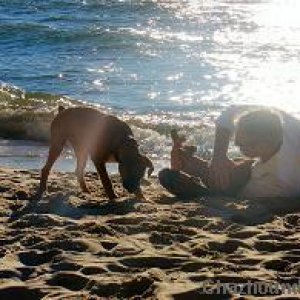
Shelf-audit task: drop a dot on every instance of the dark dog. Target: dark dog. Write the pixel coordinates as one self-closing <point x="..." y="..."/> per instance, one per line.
<point x="104" y="138"/>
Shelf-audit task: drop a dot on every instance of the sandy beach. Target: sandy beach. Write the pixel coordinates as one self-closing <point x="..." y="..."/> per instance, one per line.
<point x="78" y="246"/>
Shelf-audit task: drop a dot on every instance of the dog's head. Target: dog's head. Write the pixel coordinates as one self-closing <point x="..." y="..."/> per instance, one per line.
<point x="132" y="165"/>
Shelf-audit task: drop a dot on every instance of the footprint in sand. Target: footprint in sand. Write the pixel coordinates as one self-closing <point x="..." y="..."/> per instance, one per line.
<point x="128" y="220"/>
<point x="2" y="252"/>
<point x="201" y="250"/>
<point x="279" y="265"/>
<point x="109" y="245"/>
<point x="91" y="270"/>
<point x="270" y="236"/>
<point x="32" y="240"/>
<point x="291" y="258"/>
<point x="4" y="189"/>
<point x="68" y="244"/>
<point x="27" y="272"/>
<point x="97" y="228"/>
<point x="204" y="264"/>
<point x="40" y="221"/>
<point x="228" y="246"/>
<point x="161" y="238"/>
<point x="295" y="269"/>
<point x="69" y="280"/>
<point x="117" y="268"/>
<point x="197" y="294"/>
<point x="248" y="261"/>
<point x="15" y="291"/>
<point x="293" y="252"/>
<point x="137" y="287"/>
<point x="21" y="195"/>
<point x="243" y="234"/>
<point x="35" y="258"/>
<point x="151" y="262"/>
<point x="275" y="246"/>
<point x="5" y="274"/>
<point x="196" y="222"/>
<point x="65" y="266"/>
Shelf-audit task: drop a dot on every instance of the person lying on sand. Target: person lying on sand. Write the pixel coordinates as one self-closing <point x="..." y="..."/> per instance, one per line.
<point x="269" y="140"/>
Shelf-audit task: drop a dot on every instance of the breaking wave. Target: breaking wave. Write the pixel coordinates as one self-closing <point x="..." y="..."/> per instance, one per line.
<point x="28" y="115"/>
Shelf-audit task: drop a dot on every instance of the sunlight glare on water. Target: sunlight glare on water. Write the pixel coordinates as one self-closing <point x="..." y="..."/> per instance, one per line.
<point x="268" y="65"/>
<point x="257" y="51"/>
<point x="275" y="77"/>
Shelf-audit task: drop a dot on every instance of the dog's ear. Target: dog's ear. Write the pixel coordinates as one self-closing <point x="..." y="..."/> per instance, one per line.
<point x="130" y="143"/>
<point x="60" y="108"/>
<point x="148" y="164"/>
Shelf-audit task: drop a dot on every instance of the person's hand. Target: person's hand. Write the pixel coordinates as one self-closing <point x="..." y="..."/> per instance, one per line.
<point x="220" y="173"/>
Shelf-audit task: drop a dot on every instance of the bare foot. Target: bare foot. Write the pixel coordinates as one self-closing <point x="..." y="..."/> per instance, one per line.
<point x="176" y="161"/>
<point x="190" y="150"/>
<point x="178" y="140"/>
<point x="85" y="189"/>
<point x="112" y="198"/>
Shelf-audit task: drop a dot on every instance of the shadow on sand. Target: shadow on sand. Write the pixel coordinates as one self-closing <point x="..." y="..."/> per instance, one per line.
<point x="61" y="205"/>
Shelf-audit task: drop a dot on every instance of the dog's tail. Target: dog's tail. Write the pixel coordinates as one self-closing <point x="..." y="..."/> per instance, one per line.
<point x="60" y="108"/>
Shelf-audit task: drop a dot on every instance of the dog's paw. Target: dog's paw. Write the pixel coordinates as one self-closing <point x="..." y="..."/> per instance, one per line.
<point x="85" y="191"/>
<point x="112" y="197"/>
<point x="145" y="182"/>
<point x="190" y="149"/>
<point x="37" y="196"/>
<point x="139" y="196"/>
<point x="146" y="200"/>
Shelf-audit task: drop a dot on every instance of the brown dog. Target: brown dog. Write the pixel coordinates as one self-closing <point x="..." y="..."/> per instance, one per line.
<point x="102" y="137"/>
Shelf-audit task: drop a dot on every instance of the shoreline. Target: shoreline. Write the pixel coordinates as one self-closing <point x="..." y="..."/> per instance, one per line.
<point x="30" y="155"/>
<point x="81" y="246"/>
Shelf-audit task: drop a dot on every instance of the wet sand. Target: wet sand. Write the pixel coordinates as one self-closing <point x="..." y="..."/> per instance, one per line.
<point x="80" y="246"/>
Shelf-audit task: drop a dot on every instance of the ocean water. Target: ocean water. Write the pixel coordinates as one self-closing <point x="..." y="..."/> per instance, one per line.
<point x="157" y="64"/>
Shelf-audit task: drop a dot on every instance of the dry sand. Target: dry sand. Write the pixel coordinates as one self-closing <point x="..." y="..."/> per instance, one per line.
<point x="78" y="246"/>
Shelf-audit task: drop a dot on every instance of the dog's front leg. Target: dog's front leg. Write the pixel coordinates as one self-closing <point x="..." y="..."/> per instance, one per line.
<point x="106" y="182"/>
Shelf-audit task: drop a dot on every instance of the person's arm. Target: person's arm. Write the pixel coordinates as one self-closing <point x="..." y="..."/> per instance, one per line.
<point x="221" y="165"/>
<point x="221" y="144"/>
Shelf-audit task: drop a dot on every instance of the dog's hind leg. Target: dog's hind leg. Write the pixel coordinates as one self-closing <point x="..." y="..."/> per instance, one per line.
<point x="56" y="147"/>
<point x="82" y="157"/>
